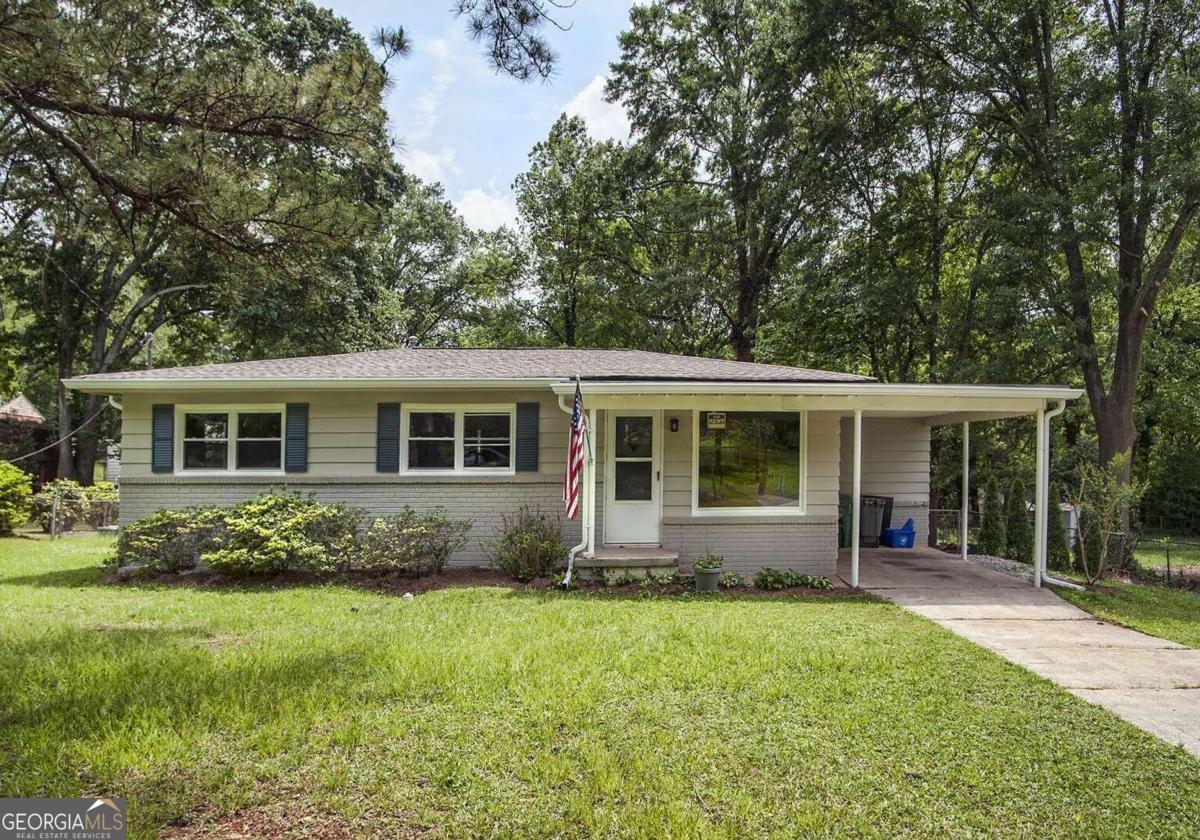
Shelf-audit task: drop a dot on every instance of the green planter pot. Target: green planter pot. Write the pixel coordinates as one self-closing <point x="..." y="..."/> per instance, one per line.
<point x="707" y="579"/>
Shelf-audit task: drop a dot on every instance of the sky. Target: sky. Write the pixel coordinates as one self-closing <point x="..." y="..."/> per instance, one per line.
<point x="458" y="122"/>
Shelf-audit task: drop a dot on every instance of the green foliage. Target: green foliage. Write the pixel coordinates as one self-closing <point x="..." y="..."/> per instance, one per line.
<point x="1018" y="532"/>
<point x="1058" y="549"/>
<point x="530" y="545"/>
<point x="1102" y="498"/>
<point x="15" y="492"/>
<point x="709" y="561"/>
<point x="731" y="580"/>
<point x="991" y="532"/>
<point x="284" y="531"/>
<point x="170" y="540"/>
<point x="70" y="495"/>
<point x="76" y="503"/>
<point x="412" y="542"/>
<point x="768" y="578"/>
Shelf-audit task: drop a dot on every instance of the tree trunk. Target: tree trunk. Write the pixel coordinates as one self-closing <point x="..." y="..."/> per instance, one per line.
<point x="87" y="441"/>
<point x="66" y="457"/>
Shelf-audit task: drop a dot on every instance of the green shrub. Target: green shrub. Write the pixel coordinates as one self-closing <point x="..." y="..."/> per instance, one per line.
<point x="730" y="580"/>
<point x="15" y="493"/>
<point x="991" y="532"/>
<point x="709" y="561"/>
<point x="529" y="546"/>
<point x="1058" y="551"/>
<point x="768" y="578"/>
<point x="101" y="507"/>
<point x="170" y="540"/>
<point x="283" y="531"/>
<point x="413" y="542"/>
<point x="1018" y="533"/>
<point x="72" y="508"/>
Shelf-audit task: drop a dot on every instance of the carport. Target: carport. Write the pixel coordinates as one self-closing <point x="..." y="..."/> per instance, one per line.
<point x="940" y="405"/>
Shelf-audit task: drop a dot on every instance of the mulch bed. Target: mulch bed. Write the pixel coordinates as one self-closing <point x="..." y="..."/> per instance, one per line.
<point x="450" y="578"/>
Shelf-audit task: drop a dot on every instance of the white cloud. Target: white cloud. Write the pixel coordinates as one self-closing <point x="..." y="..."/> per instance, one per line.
<point x="427" y="165"/>
<point x="440" y="63"/>
<point x="605" y="120"/>
<point x="487" y="210"/>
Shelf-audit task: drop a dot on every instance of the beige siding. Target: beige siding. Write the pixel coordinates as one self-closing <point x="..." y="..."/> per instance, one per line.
<point x="895" y="462"/>
<point x="341" y="425"/>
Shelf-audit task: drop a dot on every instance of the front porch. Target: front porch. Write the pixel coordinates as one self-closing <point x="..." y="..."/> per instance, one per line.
<point x="755" y="472"/>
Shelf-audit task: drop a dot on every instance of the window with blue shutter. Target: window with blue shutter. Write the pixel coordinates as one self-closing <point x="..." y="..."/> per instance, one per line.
<point x="387" y="438"/>
<point x="527" y="436"/>
<point x="162" y="438"/>
<point x="295" y="447"/>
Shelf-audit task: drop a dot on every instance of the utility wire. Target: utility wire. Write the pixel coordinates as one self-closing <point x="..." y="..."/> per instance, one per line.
<point x="60" y="440"/>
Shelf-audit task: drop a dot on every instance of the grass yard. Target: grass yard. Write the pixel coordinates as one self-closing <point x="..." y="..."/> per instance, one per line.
<point x="484" y="712"/>
<point x="1167" y="613"/>
<point x="1152" y="552"/>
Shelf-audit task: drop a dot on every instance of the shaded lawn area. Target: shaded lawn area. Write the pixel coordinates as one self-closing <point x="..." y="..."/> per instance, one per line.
<point x="1172" y="614"/>
<point x="484" y="712"/>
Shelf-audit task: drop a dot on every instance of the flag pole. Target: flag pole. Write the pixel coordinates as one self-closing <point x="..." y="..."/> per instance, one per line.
<point x="588" y="465"/>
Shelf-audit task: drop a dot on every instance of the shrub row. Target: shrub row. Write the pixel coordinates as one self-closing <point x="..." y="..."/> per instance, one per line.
<point x="285" y="531"/>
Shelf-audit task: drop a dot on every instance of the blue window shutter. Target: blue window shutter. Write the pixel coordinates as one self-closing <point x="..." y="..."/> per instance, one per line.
<point x="295" y="445"/>
<point x="387" y="438"/>
<point x="527" y="436"/>
<point x="162" y="438"/>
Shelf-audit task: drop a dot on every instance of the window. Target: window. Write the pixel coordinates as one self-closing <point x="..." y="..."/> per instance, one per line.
<point x="206" y="441"/>
<point x="459" y="439"/>
<point x="486" y="440"/>
<point x="749" y="461"/>
<point x="431" y="440"/>
<point x="256" y="437"/>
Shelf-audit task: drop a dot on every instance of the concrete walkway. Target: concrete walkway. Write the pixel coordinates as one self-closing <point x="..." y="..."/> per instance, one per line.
<point x="1152" y="683"/>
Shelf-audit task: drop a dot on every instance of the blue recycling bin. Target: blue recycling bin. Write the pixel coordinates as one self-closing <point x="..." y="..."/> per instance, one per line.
<point x="904" y="537"/>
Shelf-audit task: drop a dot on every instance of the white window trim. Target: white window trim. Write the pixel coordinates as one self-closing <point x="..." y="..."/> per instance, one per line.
<point x="231" y="438"/>
<point x="799" y="509"/>
<point x="458" y="410"/>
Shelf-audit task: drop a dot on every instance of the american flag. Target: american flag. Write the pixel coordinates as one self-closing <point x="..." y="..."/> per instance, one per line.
<point x="573" y="475"/>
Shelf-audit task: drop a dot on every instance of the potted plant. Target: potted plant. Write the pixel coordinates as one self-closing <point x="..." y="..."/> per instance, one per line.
<point x="708" y="570"/>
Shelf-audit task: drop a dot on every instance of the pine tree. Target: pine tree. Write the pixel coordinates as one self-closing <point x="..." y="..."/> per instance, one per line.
<point x="991" y="533"/>
<point x="1058" y="551"/>
<point x="1018" y="535"/>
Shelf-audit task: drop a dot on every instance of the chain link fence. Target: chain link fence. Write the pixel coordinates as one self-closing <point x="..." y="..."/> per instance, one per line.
<point x="72" y="515"/>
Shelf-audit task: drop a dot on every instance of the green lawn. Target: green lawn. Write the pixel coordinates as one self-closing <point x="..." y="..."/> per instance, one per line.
<point x="1167" y="613"/>
<point x="1153" y="552"/>
<point x="484" y="712"/>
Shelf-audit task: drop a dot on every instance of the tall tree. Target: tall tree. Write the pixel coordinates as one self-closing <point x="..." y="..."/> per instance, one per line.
<point x="141" y="140"/>
<point x="1091" y="104"/>
<point x="733" y="86"/>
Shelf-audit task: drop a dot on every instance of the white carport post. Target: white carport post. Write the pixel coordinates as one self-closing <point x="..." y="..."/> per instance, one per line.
<point x="1039" y="501"/>
<point x="966" y="489"/>
<point x="856" y="497"/>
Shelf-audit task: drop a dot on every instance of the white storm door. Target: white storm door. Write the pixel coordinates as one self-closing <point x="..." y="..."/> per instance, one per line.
<point x="632" y="477"/>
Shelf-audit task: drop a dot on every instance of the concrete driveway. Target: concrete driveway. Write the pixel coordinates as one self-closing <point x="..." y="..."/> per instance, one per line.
<point x="1152" y="683"/>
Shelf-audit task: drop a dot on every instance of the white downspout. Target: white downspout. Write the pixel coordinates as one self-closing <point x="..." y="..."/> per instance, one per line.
<point x="587" y="468"/>
<point x="1044" y="478"/>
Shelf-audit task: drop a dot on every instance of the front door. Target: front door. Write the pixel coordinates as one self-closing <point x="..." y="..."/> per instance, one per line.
<point x="632" y="477"/>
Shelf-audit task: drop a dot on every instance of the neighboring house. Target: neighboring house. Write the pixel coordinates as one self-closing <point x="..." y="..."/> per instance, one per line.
<point x="23" y="429"/>
<point x="691" y="455"/>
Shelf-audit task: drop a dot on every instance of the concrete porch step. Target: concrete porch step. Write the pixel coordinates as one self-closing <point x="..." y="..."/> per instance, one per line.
<point x="628" y="557"/>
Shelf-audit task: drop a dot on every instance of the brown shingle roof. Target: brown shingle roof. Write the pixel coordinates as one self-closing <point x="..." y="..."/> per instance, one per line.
<point x="19" y="409"/>
<point x="485" y="364"/>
